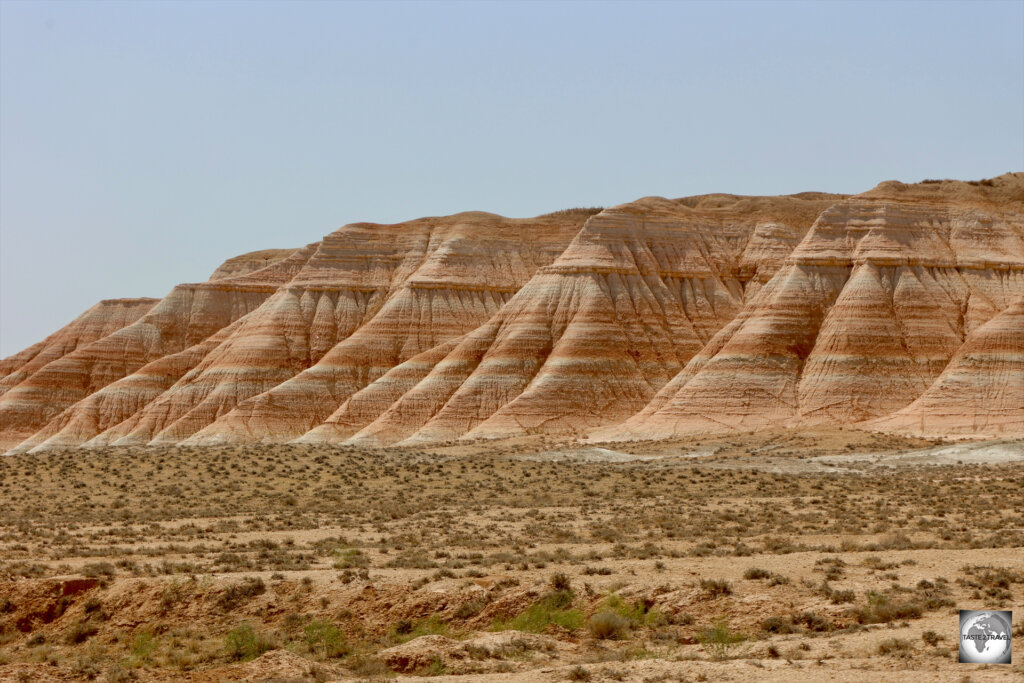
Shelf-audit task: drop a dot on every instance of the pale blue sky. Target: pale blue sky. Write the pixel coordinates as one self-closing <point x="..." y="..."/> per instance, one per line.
<point x="143" y="143"/>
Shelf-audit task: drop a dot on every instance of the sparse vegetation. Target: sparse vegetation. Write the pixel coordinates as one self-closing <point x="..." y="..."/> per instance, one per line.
<point x="720" y="640"/>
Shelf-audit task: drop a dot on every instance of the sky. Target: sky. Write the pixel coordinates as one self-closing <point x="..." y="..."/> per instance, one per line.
<point x="143" y="143"/>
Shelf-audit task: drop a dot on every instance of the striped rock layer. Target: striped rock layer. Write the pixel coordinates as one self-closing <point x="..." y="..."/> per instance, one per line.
<point x="900" y="309"/>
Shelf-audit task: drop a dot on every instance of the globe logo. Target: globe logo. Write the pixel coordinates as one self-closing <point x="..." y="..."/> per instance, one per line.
<point x="985" y="636"/>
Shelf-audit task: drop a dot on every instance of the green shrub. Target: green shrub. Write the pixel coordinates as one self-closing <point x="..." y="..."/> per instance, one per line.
<point x="244" y="643"/>
<point x="142" y="649"/>
<point x="553" y="608"/>
<point x="639" y="612"/>
<point x="720" y="640"/>
<point x="405" y="630"/>
<point x="325" y="639"/>
<point x="351" y="558"/>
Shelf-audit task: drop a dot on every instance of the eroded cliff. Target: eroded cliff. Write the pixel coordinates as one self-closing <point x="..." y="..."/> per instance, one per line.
<point x="900" y="309"/>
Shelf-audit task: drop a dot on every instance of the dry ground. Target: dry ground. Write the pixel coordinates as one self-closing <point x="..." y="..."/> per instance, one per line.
<point x="776" y="556"/>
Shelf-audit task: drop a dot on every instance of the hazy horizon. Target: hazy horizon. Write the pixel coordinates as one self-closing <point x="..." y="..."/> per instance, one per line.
<point x="143" y="144"/>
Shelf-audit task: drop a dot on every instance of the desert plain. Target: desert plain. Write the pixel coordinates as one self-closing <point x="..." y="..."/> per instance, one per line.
<point x="765" y="556"/>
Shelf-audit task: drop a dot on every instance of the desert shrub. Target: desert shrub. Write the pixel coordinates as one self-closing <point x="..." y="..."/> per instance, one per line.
<point x="119" y="674"/>
<point x="85" y="667"/>
<point x="880" y="609"/>
<point x="560" y="582"/>
<point x="172" y="594"/>
<point x="244" y="643"/>
<point x="351" y="558"/>
<point x="895" y="647"/>
<point x="757" y="574"/>
<point x="876" y="563"/>
<point x="600" y="571"/>
<point x="933" y="595"/>
<point x="470" y="609"/>
<point x="80" y="632"/>
<point x="720" y="640"/>
<point x="813" y="622"/>
<point x="833" y="573"/>
<point x="780" y="545"/>
<point x="714" y="588"/>
<point x="99" y="570"/>
<point x="930" y="638"/>
<point x="608" y="625"/>
<point x="993" y="582"/>
<point x="239" y="593"/>
<point x="325" y="639"/>
<point x="777" y="625"/>
<point x="578" y="673"/>
<point x="837" y="597"/>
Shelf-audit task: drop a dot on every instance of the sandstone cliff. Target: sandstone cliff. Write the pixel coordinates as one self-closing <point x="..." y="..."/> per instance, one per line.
<point x="900" y="309"/>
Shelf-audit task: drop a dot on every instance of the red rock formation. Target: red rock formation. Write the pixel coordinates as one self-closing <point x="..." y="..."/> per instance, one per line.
<point x="104" y="318"/>
<point x="896" y="309"/>
<point x="867" y="312"/>
<point x="433" y="280"/>
<point x="981" y="391"/>
<point x="186" y="317"/>
<point x="593" y="336"/>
